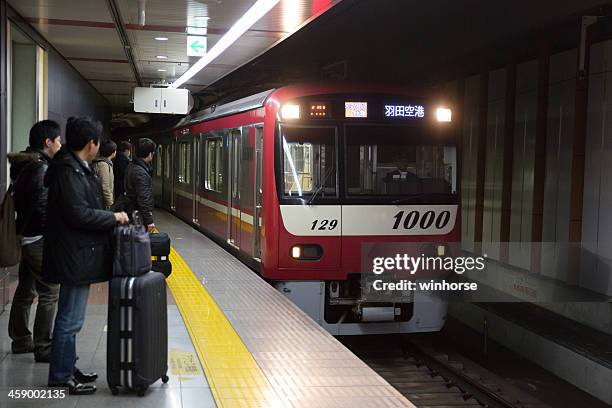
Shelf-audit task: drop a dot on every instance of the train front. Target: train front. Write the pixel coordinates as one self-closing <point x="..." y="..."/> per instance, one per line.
<point x="363" y="183"/>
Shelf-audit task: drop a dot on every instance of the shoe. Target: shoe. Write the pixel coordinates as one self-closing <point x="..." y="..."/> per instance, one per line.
<point x="84" y="378"/>
<point x="76" y="388"/>
<point x="42" y="358"/>
<point x="22" y="350"/>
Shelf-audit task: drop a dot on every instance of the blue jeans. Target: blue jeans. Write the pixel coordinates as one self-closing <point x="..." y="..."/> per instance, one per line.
<point x="68" y="322"/>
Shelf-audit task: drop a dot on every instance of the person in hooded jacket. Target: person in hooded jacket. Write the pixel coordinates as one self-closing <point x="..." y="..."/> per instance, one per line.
<point x="28" y="170"/>
<point x="78" y="246"/>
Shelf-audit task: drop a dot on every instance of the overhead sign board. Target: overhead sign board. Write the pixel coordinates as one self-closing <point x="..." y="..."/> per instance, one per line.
<point x="196" y="46"/>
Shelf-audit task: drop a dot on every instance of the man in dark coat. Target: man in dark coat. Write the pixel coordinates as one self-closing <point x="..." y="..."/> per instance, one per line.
<point x="120" y="163"/>
<point x="78" y="246"/>
<point x="139" y="183"/>
<point x="28" y="171"/>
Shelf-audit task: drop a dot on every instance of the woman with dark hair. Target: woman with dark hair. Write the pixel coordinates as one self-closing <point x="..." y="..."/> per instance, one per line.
<point x="103" y="166"/>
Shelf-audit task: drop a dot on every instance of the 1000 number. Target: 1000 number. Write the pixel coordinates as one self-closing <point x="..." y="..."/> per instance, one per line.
<point x="428" y="219"/>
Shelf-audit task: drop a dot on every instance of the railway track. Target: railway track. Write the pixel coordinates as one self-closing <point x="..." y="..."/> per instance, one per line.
<point x="432" y="378"/>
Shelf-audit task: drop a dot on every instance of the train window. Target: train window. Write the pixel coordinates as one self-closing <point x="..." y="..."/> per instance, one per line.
<point x="184" y="169"/>
<point x="213" y="178"/>
<point x="398" y="160"/>
<point x="167" y="160"/>
<point x="158" y="161"/>
<point x="309" y="164"/>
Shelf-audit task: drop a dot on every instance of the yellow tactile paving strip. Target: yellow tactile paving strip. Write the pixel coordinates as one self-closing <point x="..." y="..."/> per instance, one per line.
<point x="234" y="377"/>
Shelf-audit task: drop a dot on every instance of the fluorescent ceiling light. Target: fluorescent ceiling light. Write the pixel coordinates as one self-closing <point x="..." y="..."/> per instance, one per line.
<point x="161" y="57"/>
<point x="161" y="38"/>
<point x="257" y="11"/>
<point x="161" y="70"/>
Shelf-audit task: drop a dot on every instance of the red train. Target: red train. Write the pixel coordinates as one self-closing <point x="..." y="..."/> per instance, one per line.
<point x="295" y="181"/>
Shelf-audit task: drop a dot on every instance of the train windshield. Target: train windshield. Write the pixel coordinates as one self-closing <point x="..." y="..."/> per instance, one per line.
<point x="398" y="161"/>
<point x="309" y="161"/>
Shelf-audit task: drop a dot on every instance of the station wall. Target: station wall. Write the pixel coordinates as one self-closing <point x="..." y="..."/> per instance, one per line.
<point x="543" y="103"/>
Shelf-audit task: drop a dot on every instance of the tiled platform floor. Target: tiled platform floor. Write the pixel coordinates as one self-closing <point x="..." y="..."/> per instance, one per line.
<point x="187" y="386"/>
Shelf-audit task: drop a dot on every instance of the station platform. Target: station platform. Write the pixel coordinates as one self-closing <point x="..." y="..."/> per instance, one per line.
<point x="233" y="341"/>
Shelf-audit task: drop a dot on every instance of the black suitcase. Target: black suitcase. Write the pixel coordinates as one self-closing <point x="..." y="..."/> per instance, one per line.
<point x="137" y="338"/>
<point x="160" y="244"/>
<point x="132" y="251"/>
<point x="164" y="266"/>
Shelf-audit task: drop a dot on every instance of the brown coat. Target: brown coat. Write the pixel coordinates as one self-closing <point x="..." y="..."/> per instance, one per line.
<point x="103" y="167"/>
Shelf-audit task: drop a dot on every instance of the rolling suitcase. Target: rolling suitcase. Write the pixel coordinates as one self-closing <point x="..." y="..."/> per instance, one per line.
<point x="137" y="346"/>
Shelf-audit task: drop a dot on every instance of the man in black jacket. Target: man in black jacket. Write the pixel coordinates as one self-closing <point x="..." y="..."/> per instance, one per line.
<point x="120" y="163"/>
<point x="28" y="171"/>
<point x="78" y="245"/>
<point x="139" y="183"/>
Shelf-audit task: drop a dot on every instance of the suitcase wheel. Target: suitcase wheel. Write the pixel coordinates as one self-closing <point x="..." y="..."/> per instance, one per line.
<point x="142" y="391"/>
<point x="165" y="379"/>
<point x="114" y="390"/>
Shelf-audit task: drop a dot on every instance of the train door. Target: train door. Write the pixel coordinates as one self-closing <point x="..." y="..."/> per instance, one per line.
<point x="258" y="193"/>
<point x="195" y="176"/>
<point x="174" y="161"/>
<point x="233" y="191"/>
<point x="167" y="177"/>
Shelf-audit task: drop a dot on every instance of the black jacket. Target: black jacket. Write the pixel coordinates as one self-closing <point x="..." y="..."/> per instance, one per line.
<point x="28" y="171"/>
<point x="78" y="246"/>
<point x="119" y="167"/>
<point x="139" y="189"/>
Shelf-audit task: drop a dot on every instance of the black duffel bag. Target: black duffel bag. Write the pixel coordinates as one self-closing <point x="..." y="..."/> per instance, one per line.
<point x="160" y="244"/>
<point x="132" y="249"/>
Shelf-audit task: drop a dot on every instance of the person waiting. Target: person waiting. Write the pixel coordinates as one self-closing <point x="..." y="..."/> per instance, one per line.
<point x="103" y="166"/>
<point x="77" y="247"/>
<point x="139" y="182"/>
<point x="122" y="159"/>
<point x="28" y="171"/>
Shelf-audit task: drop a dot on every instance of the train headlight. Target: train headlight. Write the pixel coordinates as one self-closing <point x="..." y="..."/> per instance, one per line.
<point x="444" y="115"/>
<point x="306" y="252"/>
<point x="290" y="111"/>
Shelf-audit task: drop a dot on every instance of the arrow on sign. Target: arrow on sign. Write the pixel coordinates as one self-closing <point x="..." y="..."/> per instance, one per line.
<point x="196" y="46"/>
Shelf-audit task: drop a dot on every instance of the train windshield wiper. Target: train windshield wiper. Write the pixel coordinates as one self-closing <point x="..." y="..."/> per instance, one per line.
<point x="321" y="186"/>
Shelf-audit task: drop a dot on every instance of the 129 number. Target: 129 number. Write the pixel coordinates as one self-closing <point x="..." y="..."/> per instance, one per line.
<point x="324" y="225"/>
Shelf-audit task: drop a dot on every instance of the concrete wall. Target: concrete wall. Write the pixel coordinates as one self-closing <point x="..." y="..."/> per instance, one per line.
<point x="470" y="149"/>
<point x="71" y="95"/>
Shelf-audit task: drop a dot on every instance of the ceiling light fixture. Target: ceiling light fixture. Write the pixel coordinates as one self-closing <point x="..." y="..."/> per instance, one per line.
<point x="257" y="11"/>
<point x="161" y="56"/>
<point x="161" y="38"/>
<point x="161" y="70"/>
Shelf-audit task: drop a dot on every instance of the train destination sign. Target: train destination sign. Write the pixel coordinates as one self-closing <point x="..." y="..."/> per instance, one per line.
<point x="404" y="111"/>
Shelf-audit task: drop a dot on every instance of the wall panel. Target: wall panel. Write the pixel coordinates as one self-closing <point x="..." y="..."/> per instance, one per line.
<point x="494" y="163"/>
<point x="560" y="131"/>
<point x="523" y="165"/>
<point x="469" y="166"/>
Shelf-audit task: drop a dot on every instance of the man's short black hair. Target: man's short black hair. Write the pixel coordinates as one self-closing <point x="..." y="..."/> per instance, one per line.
<point x="43" y="130"/>
<point x="107" y="148"/>
<point x="144" y="147"/>
<point x="125" y="145"/>
<point x="80" y="131"/>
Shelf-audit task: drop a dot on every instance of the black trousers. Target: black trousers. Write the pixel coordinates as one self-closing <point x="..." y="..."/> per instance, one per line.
<point x="30" y="285"/>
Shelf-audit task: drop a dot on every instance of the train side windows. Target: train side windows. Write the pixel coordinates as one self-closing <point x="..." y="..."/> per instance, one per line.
<point x="158" y="161"/>
<point x="213" y="178"/>
<point x="184" y="163"/>
<point x="309" y="161"/>
<point x="167" y="160"/>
